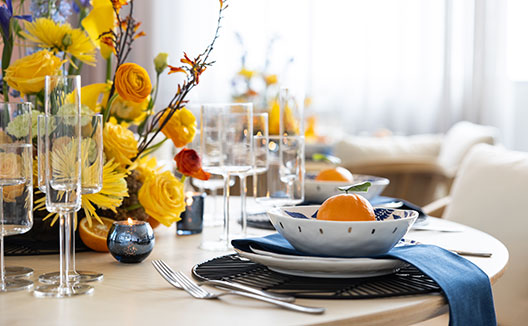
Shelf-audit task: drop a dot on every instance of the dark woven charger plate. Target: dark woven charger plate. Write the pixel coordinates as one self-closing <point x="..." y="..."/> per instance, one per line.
<point x="234" y="268"/>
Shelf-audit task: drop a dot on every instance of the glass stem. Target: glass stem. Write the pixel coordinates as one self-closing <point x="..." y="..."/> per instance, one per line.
<point x="243" y="211"/>
<point x="255" y="183"/>
<point x="71" y="217"/>
<point x="2" y="267"/>
<point x="227" y="177"/>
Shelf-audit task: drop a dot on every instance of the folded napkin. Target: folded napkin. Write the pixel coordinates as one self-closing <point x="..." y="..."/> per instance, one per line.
<point x="466" y="287"/>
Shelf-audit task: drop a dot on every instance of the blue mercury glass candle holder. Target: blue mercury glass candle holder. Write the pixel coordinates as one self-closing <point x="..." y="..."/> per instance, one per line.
<point x="130" y="241"/>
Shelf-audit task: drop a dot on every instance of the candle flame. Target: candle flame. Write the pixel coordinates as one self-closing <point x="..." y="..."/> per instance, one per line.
<point x="189" y="198"/>
<point x="130" y="221"/>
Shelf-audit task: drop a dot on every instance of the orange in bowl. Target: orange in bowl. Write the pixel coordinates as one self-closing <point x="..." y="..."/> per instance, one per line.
<point x="346" y="207"/>
<point x="335" y="174"/>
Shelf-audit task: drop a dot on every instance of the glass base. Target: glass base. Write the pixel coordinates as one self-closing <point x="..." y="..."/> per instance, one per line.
<point x="220" y="245"/>
<point x="16" y="285"/>
<point x="57" y="291"/>
<point x="18" y="271"/>
<point x="80" y="276"/>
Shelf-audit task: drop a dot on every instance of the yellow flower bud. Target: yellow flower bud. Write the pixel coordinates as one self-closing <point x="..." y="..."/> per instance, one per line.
<point x="160" y="62"/>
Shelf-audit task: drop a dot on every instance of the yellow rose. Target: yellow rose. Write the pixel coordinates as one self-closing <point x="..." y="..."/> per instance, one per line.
<point x="26" y="74"/>
<point x="129" y="110"/>
<point x="132" y="82"/>
<point x="162" y="197"/>
<point x="11" y="167"/>
<point x="180" y="128"/>
<point x="119" y="143"/>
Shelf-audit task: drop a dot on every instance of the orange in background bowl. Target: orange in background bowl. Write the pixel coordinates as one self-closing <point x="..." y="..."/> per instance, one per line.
<point x="335" y="174"/>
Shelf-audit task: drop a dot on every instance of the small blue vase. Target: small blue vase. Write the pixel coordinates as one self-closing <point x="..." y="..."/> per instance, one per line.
<point x="130" y="241"/>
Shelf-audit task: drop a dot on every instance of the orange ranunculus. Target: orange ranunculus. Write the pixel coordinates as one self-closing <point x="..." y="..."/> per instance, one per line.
<point x="190" y="164"/>
<point x="180" y="128"/>
<point x="132" y="82"/>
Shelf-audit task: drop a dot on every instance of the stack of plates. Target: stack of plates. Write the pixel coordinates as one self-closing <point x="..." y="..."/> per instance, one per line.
<point x="325" y="267"/>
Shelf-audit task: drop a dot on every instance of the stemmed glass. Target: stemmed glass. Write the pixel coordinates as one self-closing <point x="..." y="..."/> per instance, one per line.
<point x="259" y="163"/>
<point x="16" y="181"/>
<point x="213" y="184"/>
<point x="281" y="189"/>
<point x="62" y="173"/>
<point x="92" y="182"/>
<point x="226" y="147"/>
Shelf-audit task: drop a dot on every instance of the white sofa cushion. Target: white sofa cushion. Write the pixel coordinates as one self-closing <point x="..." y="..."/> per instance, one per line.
<point x="357" y="150"/>
<point x="458" y="141"/>
<point x="488" y="194"/>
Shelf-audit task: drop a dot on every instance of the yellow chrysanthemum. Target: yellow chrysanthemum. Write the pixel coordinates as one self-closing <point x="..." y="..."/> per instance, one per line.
<point x="61" y="38"/>
<point x="110" y="197"/>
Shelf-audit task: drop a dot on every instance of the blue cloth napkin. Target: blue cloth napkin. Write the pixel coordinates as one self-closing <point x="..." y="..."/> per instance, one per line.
<point x="466" y="287"/>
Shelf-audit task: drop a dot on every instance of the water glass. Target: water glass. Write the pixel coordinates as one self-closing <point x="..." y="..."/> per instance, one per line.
<point x="16" y="182"/>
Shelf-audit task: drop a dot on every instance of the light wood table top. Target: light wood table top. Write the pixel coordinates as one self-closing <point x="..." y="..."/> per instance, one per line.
<point x="134" y="294"/>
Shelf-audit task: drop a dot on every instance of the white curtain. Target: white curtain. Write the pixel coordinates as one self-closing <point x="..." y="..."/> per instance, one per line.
<point x="411" y="66"/>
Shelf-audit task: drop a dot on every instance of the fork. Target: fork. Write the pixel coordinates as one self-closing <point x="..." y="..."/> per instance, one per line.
<point x="179" y="280"/>
<point x="232" y="286"/>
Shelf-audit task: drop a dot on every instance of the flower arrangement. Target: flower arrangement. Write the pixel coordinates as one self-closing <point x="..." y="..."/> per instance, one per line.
<point x="133" y="183"/>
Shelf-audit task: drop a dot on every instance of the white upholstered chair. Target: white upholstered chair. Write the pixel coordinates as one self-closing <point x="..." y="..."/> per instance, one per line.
<point x="489" y="193"/>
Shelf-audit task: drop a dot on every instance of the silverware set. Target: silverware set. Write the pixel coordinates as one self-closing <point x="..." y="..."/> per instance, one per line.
<point x="181" y="281"/>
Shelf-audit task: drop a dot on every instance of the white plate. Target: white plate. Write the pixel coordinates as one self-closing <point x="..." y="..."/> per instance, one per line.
<point x="324" y="267"/>
<point x="319" y="191"/>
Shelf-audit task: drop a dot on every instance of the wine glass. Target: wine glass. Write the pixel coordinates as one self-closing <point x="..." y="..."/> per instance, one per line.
<point x="226" y="147"/>
<point x="16" y="182"/>
<point x="279" y="187"/>
<point x="213" y="184"/>
<point x="92" y="182"/>
<point x="260" y="163"/>
<point x="62" y="173"/>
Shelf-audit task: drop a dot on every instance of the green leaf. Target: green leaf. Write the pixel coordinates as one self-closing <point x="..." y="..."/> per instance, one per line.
<point x="318" y="157"/>
<point x="358" y="187"/>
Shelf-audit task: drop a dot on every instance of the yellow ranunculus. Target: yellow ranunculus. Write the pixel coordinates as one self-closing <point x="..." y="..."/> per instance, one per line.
<point x="180" y="128"/>
<point x="162" y="197"/>
<point x="119" y="143"/>
<point x="26" y="74"/>
<point x="129" y="110"/>
<point x="132" y="82"/>
<point x="100" y="19"/>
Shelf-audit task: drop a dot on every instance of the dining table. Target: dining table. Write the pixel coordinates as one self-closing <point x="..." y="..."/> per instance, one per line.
<point x="135" y="294"/>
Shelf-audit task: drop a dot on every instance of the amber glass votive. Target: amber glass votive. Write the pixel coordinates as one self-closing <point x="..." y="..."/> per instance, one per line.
<point x="130" y="241"/>
<point x="192" y="218"/>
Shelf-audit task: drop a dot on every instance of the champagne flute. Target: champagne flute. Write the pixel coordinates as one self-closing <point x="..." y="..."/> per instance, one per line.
<point x="62" y="173"/>
<point x="92" y="182"/>
<point x="16" y="182"/>
<point x="226" y="147"/>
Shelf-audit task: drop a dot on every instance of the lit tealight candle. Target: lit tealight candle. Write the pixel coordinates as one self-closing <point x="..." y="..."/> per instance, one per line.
<point x="130" y="241"/>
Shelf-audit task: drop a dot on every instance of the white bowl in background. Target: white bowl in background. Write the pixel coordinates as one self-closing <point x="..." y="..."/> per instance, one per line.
<point x="318" y="191"/>
<point x="342" y="238"/>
